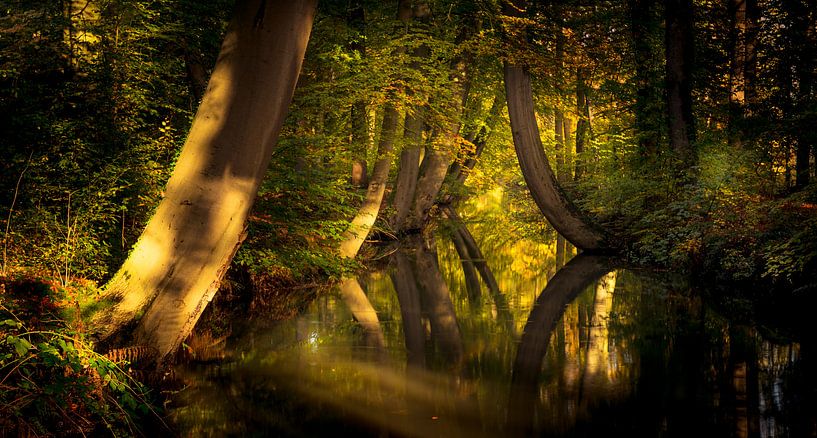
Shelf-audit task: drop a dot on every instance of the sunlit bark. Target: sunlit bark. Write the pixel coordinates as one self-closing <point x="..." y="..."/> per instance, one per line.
<point x="583" y="123"/>
<point x="546" y="191"/>
<point x="178" y="262"/>
<point x="362" y="223"/>
<point x="409" y="169"/>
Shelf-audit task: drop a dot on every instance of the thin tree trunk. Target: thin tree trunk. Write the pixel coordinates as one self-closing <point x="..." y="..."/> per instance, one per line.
<point x="363" y="222"/>
<point x="583" y="124"/>
<point x="178" y="262"/>
<point x="360" y="132"/>
<point x="196" y="76"/>
<point x="544" y="188"/>
<point x="643" y="22"/>
<point x="461" y="168"/>
<point x="737" y="70"/>
<point x="679" y="56"/>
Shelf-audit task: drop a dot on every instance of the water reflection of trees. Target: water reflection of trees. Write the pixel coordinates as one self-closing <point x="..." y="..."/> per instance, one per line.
<point x="601" y="351"/>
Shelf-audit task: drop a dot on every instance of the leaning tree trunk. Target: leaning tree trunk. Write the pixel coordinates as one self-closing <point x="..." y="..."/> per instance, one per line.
<point x="545" y="189"/>
<point x="354" y="237"/>
<point x="178" y="262"/>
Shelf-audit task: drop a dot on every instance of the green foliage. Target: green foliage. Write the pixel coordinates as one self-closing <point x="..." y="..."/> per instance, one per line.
<point x="53" y="383"/>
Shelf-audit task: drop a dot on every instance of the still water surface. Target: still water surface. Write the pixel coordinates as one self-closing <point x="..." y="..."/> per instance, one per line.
<point x="425" y="347"/>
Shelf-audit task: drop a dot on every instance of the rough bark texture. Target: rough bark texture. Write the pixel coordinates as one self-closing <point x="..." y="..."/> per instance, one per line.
<point x="545" y="189"/>
<point x="177" y="264"/>
<point x="408" y="171"/>
<point x="432" y="175"/>
<point x="568" y="282"/>
<point x="679" y="57"/>
<point x="362" y="224"/>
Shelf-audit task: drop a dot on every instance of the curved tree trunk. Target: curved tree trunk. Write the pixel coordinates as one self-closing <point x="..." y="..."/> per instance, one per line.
<point x="354" y="237"/>
<point x="545" y="189"/>
<point x="178" y="262"/>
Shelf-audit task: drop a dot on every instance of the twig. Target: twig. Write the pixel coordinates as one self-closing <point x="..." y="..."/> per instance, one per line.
<point x="11" y="210"/>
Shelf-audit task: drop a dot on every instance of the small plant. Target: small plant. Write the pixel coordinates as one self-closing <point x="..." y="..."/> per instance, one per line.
<point x="52" y="383"/>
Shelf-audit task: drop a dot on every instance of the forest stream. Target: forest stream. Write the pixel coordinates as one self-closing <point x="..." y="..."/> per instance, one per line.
<point x="586" y="349"/>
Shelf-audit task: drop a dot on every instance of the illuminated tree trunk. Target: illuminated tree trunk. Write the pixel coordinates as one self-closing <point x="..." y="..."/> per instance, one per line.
<point x="177" y="264"/>
<point x="362" y="224"/>
<point x="737" y="70"/>
<point x="679" y="58"/>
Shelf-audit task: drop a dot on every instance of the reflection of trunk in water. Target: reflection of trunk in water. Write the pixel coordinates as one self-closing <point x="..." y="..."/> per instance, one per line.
<point x="468" y="270"/>
<point x="436" y="301"/>
<point x="409" y="298"/>
<point x="364" y="313"/>
<point x="571" y="280"/>
<point x="421" y="280"/>
<point x="475" y="256"/>
<point x="600" y="371"/>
